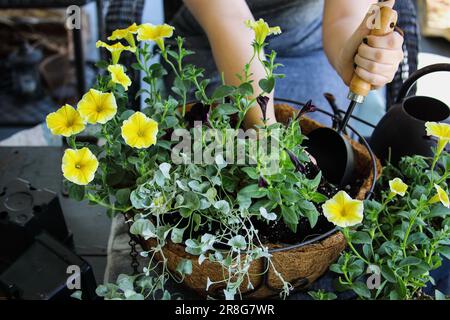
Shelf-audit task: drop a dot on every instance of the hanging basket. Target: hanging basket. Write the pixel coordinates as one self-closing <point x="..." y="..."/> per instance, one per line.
<point x="299" y="264"/>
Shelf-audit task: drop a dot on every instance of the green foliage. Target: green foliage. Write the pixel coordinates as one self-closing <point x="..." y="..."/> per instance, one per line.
<point x="405" y="237"/>
<point x="322" y="295"/>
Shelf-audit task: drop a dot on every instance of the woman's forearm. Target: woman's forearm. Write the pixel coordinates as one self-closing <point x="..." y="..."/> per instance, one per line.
<point x="351" y="49"/>
<point x="230" y="42"/>
<point x="343" y="20"/>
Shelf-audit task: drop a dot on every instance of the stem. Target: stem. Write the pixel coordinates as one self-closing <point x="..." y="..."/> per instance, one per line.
<point x="408" y="231"/>
<point x="347" y="237"/>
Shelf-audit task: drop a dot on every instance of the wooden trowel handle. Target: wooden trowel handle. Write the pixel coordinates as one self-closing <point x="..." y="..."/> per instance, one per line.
<point x="388" y="20"/>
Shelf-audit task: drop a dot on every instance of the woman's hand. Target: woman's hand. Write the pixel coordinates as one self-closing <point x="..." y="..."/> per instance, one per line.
<point x="378" y="58"/>
<point x="374" y="59"/>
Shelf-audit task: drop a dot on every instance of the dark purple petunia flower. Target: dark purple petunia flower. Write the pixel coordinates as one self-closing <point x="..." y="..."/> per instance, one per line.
<point x="198" y="112"/>
<point x="262" y="183"/>
<point x="308" y="107"/>
<point x="299" y="167"/>
<point x="263" y="101"/>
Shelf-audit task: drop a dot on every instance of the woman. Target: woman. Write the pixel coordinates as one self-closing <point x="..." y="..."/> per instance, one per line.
<point x="323" y="42"/>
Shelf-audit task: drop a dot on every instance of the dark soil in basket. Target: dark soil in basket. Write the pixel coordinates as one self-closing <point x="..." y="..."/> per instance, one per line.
<point x="279" y="233"/>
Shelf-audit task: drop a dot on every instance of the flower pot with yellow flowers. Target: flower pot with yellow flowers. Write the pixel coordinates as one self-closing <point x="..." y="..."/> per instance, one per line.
<point x="231" y="213"/>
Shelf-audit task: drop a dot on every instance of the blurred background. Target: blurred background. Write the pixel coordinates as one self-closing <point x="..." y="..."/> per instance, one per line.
<point x="45" y="64"/>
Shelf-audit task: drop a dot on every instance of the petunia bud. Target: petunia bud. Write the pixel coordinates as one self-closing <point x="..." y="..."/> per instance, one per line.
<point x="262" y="183"/>
<point x="262" y="101"/>
<point x="299" y="167"/>
<point x="308" y="107"/>
<point x="199" y="112"/>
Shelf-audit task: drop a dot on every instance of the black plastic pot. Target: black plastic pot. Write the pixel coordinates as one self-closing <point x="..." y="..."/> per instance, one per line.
<point x="401" y="132"/>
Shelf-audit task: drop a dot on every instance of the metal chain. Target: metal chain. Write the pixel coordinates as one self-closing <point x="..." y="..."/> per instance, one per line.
<point x="133" y="254"/>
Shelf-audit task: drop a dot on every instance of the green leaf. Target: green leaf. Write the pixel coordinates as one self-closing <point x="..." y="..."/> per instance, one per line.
<point x="136" y="66"/>
<point x="102" y="64"/>
<point x="144" y="228"/>
<point x="222" y="92"/>
<point x="313" y="184"/>
<point x="317" y="197"/>
<point x="274" y="195"/>
<point x="76" y="192"/>
<point x="290" y="196"/>
<point x="123" y="196"/>
<point x="238" y="243"/>
<point x="252" y="191"/>
<point x="165" y="169"/>
<point x="290" y="217"/>
<point x="177" y="235"/>
<point x="309" y="210"/>
<point x="445" y="251"/>
<point x="77" y="295"/>
<point x="409" y="261"/>
<point x="125" y="282"/>
<point x="267" y="85"/>
<point x="226" y="109"/>
<point x="170" y="121"/>
<point x="361" y="289"/>
<point x="388" y="274"/>
<point x="417" y="238"/>
<point x="251" y="172"/>
<point x="196" y="220"/>
<point x="211" y="194"/>
<point x="184" y="267"/>
<point x="361" y="237"/>
<point x="223" y="206"/>
<point x="336" y="268"/>
<point x="270" y="216"/>
<point x="191" y="203"/>
<point x="439" y="211"/>
<point x="245" y="89"/>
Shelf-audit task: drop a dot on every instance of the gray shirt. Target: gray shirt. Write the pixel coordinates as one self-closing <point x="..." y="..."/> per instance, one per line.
<point x="300" y="21"/>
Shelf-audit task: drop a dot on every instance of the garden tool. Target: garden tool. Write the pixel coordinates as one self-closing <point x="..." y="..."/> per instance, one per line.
<point x="332" y="151"/>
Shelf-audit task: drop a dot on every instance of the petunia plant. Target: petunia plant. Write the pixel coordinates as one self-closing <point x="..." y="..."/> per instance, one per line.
<point x="405" y="232"/>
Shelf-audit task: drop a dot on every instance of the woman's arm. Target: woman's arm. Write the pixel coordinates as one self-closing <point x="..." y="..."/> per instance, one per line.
<point x="230" y="40"/>
<point x="345" y="26"/>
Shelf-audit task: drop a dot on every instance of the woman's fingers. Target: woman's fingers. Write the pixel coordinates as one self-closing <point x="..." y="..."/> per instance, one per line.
<point x="380" y="55"/>
<point x="378" y="58"/>
<point x="391" y="41"/>
<point x="374" y="79"/>
<point x="385" y="70"/>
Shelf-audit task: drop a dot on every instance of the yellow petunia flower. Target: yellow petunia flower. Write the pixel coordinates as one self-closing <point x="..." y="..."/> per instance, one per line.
<point x="119" y="76"/>
<point x="79" y="166"/>
<point x="262" y="30"/>
<point x="66" y="121"/>
<point x="440" y="196"/>
<point x="440" y="131"/>
<point x="398" y="187"/>
<point x="139" y="131"/>
<point x="116" y="49"/>
<point x="97" y="107"/>
<point x="127" y="34"/>
<point x="156" y="33"/>
<point x="343" y="211"/>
